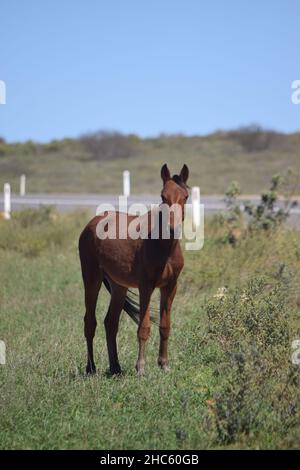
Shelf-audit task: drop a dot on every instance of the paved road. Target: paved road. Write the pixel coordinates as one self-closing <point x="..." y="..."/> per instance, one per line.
<point x="69" y="202"/>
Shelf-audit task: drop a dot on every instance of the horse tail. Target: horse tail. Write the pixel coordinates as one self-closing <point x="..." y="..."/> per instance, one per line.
<point x="131" y="306"/>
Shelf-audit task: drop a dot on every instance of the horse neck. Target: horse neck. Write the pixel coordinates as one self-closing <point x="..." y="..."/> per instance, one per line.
<point x="161" y="246"/>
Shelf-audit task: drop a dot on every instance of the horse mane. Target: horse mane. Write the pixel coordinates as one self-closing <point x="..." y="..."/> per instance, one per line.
<point x="178" y="180"/>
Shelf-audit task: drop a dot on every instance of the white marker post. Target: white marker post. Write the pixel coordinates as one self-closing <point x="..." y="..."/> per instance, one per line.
<point x="126" y="183"/>
<point x="7" y="202"/>
<point x="22" y="185"/>
<point x="196" y="215"/>
<point x="2" y="353"/>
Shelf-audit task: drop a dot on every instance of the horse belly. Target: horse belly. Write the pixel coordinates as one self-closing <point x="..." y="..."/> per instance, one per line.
<point x="117" y="260"/>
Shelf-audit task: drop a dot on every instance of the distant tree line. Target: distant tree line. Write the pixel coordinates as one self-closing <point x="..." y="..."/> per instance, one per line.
<point x="105" y="145"/>
<point x="254" y="138"/>
<point x="109" y="145"/>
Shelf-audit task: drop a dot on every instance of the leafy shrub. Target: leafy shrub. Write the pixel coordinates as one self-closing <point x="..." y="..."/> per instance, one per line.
<point x="229" y="224"/>
<point x="32" y="232"/>
<point x="108" y="145"/>
<point x="233" y="216"/>
<point x="258" y="387"/>
<point x="269" y="214"/>
<point x="30" y="217"/>
<point x="28" y="148"/>
<point x="53" y="146"/>
<point x="254" y="138"/>
<point x="5" y="149"/>
<point x="266" y="215"/>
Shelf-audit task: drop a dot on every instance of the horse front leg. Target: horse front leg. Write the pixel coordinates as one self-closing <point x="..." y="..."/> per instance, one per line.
<point x="143" y="331"/>
<point x="167" y="295"/>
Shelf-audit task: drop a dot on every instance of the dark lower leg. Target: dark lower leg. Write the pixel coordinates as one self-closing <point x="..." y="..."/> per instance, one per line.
<point x="163" y="360"/>
<point x="143" y="329"/>
<point x="89" y="331"/>
<point x="167" y="295"/>
<point x="111" y="329"/>
<point x="90" y="323"/>
<point x="111" y="323"/>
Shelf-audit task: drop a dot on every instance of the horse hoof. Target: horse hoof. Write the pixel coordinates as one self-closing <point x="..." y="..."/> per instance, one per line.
<point x="115" y="370"/>
<point x="90" y="370"/>
<point x="140" y="370"/>
<point x="163" y="364"/>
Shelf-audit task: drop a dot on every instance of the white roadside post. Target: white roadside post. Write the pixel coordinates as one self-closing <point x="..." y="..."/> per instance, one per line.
<point x="126" y="183"/>
<point x="22" y="185"/>
<point x="2" y="353"/>
<point x="7" y="202"/>
<point x="196" y="215"/>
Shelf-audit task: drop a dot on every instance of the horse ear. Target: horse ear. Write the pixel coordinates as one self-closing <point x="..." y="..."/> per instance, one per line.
<point x="165" y="173"/>
<point x="184" y="174"/>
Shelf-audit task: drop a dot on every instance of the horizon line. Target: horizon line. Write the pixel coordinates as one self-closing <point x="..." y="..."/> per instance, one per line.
<point x="161" y="134"/>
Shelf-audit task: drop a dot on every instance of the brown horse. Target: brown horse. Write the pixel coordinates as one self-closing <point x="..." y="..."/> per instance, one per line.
<point x="143" y="263"/>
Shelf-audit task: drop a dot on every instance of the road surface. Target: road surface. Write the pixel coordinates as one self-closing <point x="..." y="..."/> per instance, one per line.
<point x="69" y="202"/>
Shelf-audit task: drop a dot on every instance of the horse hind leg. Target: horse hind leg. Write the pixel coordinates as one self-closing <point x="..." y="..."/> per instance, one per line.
<point x="143" y="328"/>
<point x="92" y="279"/>
<point x="92" y="288"/>
<point x="111" y="323"/>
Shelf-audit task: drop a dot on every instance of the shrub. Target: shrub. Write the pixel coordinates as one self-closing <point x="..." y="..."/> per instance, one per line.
<point x="258" y="387"/>
<point x="266" y="215"/>
<point x="30" y="217"/>
<point x="234" y="216"/>
<point x="28" y="148"/>
<point x="32" y="232"/>
<point x="108" y="145"/>
<point x="53" y="146"/>
<point x="269" y="214"/>
<point x="5" y="149"/>
<point x="254" y="138"/>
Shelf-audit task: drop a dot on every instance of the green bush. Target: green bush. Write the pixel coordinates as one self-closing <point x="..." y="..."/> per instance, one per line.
<point x="34" y="231"/>
<point x="53" y="146"/>
<point x="268" y="215"/>
<point x="258" y="387"/>
<point x="29" y="217"/>
<point x="254" y="138"/>
<point x="5" y="149"/>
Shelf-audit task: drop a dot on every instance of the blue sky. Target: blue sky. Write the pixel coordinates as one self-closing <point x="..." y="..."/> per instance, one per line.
<point x="147" y="66"/>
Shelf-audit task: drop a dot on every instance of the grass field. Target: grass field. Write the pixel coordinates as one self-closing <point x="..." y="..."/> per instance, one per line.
<point x="231" y="385"/>
<point x="214" y="161"/>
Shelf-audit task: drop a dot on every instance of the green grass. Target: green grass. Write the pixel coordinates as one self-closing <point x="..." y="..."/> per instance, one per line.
<point x="47" y="402"/>
<point x="214" y="161"/>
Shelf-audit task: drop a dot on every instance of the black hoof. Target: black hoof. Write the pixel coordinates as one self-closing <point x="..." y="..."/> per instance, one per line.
<point x="90" y="370"/>
<point x="115" y="370"/>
